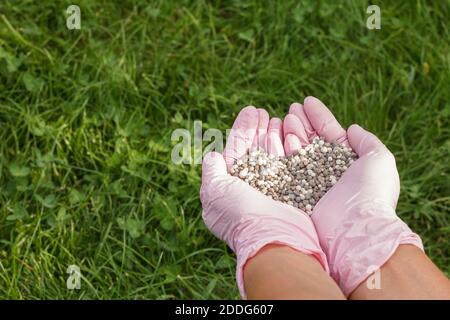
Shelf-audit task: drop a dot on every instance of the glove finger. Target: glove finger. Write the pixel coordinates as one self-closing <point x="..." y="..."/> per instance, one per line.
<point x="291" y="144"/>
<point x="297" y="110"/>
<point x="259" y="140"/>
<point x="293" y="125"/>
<point x="362" y="141"/>
<point x="213" y="165"/>
<point x="276" y="126"/>
<point x="241" y="135"/>
<point x="323" y="121"/>
<point x="274" y="141"/>
<point x="274" y="145"/>
<point x="214" y="169"/>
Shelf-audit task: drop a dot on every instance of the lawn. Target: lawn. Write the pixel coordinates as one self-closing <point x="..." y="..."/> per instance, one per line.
<point x="86" y="118"/>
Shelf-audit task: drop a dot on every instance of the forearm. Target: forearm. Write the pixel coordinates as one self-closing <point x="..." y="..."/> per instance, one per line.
<point x="279" y="272"/>
<point x="408" y="274"/>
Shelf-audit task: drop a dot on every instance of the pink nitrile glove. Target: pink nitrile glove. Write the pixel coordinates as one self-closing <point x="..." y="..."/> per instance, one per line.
<point x="355" y="220"/>
<point x="243" y="217"/>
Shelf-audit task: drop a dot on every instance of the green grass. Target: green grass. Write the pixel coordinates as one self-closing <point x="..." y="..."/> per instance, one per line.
<point x="86" y="118"/>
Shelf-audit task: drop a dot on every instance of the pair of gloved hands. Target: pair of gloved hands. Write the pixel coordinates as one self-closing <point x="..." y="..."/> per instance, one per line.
<point x="353" y="229"/>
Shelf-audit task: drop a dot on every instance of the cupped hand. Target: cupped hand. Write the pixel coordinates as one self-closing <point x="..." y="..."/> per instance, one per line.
<point x="239" y="214"/>
<point x="355" y="220"/>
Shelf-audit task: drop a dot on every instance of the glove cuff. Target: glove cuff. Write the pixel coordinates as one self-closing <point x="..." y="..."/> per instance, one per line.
<point x="362" y="248"/>
<point x="258" y="233"/>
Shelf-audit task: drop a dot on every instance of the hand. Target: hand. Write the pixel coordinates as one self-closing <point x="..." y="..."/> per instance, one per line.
<point x="239" y="214"/>
<point x="355" y="220"/>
